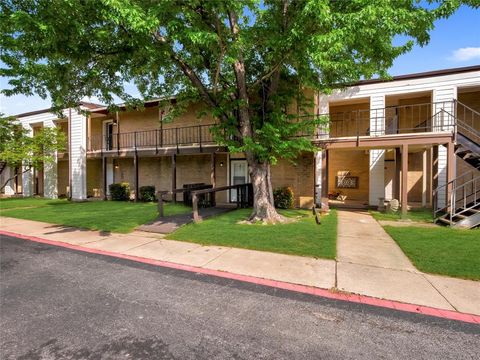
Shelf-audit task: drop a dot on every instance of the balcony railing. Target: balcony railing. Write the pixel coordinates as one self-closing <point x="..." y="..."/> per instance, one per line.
<point x="198" y="135"/>
<point x="404" y="119"/>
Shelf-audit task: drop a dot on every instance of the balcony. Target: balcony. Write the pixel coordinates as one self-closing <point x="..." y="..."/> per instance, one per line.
<point x="196" y="136"/>
<point x="405" y="119"/>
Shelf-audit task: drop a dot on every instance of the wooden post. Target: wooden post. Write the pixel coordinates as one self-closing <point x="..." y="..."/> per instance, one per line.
<point x="160" y="203"/>
<point x="398" y="172"/>
<point x="213" y="178"/>
<point x="424" y="178"/>
<point x="404" y="179"/>
<point x="196" y="218"/>
<point x="135" y="165"/>
<point x="104" y="173"/>
<point x="324" y="189"/>
<point x="174" y="177"/>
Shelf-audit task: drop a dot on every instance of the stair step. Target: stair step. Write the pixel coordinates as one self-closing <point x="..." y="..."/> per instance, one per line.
<point x="446" y="221"/>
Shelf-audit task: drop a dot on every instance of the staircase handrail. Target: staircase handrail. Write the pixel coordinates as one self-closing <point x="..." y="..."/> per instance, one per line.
<point x="452" y="203"/>
<point x="468" y="107"/>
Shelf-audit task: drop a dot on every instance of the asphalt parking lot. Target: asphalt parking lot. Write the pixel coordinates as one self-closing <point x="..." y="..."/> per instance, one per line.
<point x="64" y="304"/>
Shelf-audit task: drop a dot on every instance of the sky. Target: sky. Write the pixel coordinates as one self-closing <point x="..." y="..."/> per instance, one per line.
<point x="455" y="42"/>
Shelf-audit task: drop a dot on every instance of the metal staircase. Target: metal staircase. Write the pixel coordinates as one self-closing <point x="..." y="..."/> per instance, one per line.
<point x="461" y="207"/>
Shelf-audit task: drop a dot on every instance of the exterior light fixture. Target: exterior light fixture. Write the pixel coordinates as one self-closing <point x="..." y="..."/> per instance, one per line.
<point x="221" y="163"/>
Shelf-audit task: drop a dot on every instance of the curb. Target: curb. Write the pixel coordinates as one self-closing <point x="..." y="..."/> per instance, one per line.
<point x="361" y="299"/>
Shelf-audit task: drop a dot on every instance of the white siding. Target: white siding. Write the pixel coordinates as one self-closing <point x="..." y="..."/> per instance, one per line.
<point x="376" y="183"/>
<point x="7" y="173"/>
<point x="77" y="149"/>
<point x="78" y="155"/>
<point x="408" y="86"/>
<point x="442" y="176"/>
<point x="318" y="178"/>
<point x="50" y="170"/>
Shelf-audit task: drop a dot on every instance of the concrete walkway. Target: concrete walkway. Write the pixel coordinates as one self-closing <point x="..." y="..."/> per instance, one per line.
<point x="369" y="262"/>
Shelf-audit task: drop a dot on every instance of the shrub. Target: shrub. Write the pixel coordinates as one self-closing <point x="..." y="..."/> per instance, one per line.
<point x="120" y="191"/>
<point x="147" y="193"/>
<point x="283" y="198"/>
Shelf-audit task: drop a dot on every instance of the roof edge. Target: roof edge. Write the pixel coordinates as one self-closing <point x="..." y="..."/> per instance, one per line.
<point x="420" y="75"/>
<point x="86" y="104"/>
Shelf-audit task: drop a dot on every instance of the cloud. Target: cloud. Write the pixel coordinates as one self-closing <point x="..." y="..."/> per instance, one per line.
<point x="465" y="54"/>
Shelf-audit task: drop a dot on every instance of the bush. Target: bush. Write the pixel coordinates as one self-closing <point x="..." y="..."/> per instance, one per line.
<point x="120" y="191"/>
<point x="283" y="198"/>
<point x="147" y="193"/>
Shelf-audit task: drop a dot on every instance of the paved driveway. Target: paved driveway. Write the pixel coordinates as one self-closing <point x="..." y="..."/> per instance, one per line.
<point x="62" y="304"/>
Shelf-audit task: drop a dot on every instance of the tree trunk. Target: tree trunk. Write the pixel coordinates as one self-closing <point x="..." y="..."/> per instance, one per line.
<point x="263" y="205"/>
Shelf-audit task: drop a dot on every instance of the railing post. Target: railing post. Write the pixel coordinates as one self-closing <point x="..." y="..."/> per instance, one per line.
<point x="156" y="141"/>
<point x="196" y="218"/>
<point x="135" y="140"/>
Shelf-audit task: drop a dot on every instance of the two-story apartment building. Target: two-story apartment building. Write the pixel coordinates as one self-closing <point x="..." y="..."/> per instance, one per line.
<point x="414" y="138"/>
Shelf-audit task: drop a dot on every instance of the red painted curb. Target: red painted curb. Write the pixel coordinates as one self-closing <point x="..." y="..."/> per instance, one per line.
<point x="363" y="299"/>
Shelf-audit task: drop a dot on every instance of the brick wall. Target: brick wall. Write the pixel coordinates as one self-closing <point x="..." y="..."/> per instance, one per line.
<point x="357" y="163"/>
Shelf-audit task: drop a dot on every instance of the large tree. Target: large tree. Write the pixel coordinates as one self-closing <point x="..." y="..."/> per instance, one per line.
<point x="248" y="61"/>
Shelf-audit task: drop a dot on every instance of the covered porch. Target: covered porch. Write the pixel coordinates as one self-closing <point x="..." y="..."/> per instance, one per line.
<point x="369" y="172"/>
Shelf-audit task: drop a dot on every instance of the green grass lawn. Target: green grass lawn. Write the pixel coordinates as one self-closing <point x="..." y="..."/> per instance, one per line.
<point x="111" y="216"/>
<point x="419" y="215"/>
<point x="441" y="250"/>
<point x="303" y="237"/>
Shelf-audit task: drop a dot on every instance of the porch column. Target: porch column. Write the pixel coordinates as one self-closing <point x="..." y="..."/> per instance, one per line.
<point x="376" y="186"/>
<point x="27" y="176"/>
<point x="135" y="166"/>
<point x="78" y="145"/>
<point x="104" y="177"/>
<point x="424" y="178"/>
<point x="321" y="179"/>
<point x="213" y="178"/>
<point x="7" y="173"/>
<point x="404" y="179"/>
<point x="174" y="177"/>
<point x="376" y="183"/>
<point x="398" y="173"/>
<point x="50" y="182"/>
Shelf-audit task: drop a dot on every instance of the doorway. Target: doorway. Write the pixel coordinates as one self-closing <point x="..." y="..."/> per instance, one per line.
<point x="238" y="175"/>
<point x="108" y="135"/>
<point x="389" y="179"/>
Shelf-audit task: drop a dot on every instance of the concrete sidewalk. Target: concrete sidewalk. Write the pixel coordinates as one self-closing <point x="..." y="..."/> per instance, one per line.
<point x="369" y="261"/>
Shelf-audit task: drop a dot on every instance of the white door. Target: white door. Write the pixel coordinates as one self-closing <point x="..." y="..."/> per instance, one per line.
<point x="389" y="179"/>
<point x="109" y="175"/>
<point x="238" y="175"/>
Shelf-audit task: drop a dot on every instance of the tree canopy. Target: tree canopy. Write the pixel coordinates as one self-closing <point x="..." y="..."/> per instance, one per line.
<point x="248" y="61"/>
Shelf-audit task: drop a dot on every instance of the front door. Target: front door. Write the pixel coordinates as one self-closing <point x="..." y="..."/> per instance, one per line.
<point x="238" y="175"/>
